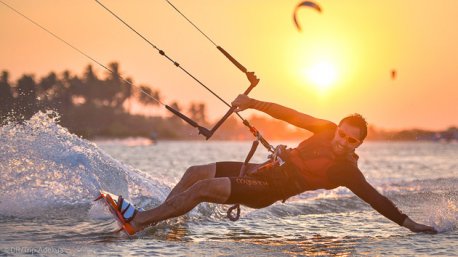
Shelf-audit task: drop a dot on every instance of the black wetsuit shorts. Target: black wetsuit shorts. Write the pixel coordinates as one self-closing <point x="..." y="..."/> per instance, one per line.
<point x="253" y="192"/>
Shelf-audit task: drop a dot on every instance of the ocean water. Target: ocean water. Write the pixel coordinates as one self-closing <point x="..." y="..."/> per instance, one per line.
<point x="49" y="178"/>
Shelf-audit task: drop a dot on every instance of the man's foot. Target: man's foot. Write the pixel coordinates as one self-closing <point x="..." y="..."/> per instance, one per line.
<point x="136" y="223"/>
<point x="122" y="210"/>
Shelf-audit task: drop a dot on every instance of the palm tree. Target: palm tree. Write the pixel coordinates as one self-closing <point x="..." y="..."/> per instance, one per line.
<point x="198" y="112"/>
<point x="146" y="95"/>
<point x="6" y="96"/>
<point x="26" y="99"/>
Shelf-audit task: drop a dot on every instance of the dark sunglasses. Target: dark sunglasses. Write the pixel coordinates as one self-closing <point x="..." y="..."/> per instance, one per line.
<point x="349" y="139"/>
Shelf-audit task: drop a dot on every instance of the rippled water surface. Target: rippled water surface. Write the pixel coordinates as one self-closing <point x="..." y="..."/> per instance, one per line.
<point x="49" y="178"/>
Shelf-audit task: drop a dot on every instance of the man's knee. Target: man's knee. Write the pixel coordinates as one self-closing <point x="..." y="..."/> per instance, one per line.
<point x="200" y="172"/>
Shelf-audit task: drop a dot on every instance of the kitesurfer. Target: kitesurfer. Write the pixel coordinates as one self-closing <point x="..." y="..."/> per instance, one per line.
<point x="325" y="160"/>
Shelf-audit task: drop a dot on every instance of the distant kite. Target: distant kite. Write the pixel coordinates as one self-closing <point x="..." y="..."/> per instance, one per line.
<point x="310" y="4"/>
<point x="393" y="74"/>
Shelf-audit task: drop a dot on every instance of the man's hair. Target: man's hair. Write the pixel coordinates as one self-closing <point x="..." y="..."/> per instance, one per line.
<point x="357" y="120"/>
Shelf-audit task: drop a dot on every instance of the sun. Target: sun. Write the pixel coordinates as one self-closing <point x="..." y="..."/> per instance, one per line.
<point x="322" y="75"/>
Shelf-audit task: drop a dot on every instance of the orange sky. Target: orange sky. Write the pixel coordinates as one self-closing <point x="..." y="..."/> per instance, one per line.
<point x="362" y="41"/>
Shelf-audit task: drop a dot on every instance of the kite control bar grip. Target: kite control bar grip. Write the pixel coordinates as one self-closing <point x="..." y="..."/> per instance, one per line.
<point x="250" y="75"/>
<point x="235" y="62"/>
<point x="203" y="131"/>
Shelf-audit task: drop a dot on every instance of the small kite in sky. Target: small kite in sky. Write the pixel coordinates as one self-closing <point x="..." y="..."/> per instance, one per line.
<point x="309" y="4"/>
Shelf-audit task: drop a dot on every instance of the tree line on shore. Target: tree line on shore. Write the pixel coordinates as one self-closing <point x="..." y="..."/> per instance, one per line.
<point x="90" y="106"/>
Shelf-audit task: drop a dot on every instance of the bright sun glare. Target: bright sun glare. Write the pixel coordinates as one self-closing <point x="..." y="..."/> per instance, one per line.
<point x="321" y="75"/>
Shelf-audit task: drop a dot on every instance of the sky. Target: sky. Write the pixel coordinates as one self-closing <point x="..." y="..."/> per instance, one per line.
<point x="340" y="63"/>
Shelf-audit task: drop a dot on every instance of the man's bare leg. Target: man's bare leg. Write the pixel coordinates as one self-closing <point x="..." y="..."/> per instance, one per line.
<point x="197" y="173"/>
<point x="216" y="190"/>
<point x="191" y="176"/>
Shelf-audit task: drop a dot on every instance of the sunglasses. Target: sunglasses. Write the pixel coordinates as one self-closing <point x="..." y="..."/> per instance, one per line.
<point x="349" y="139"/>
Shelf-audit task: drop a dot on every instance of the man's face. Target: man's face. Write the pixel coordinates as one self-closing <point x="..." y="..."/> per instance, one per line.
<point x="346" y="139"/>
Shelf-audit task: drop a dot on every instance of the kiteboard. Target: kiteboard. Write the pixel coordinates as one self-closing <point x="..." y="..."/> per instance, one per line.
<point x="122" y="210"/>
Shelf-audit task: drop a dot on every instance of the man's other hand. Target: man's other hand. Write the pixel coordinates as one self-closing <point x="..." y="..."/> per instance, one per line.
<point x="417" y="227"/>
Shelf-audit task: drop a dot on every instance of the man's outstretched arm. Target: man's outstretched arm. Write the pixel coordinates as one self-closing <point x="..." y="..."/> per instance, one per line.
<point x="283" y="113"/>
<point x="348" y="175"/>
<point x="385" y="207"/>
